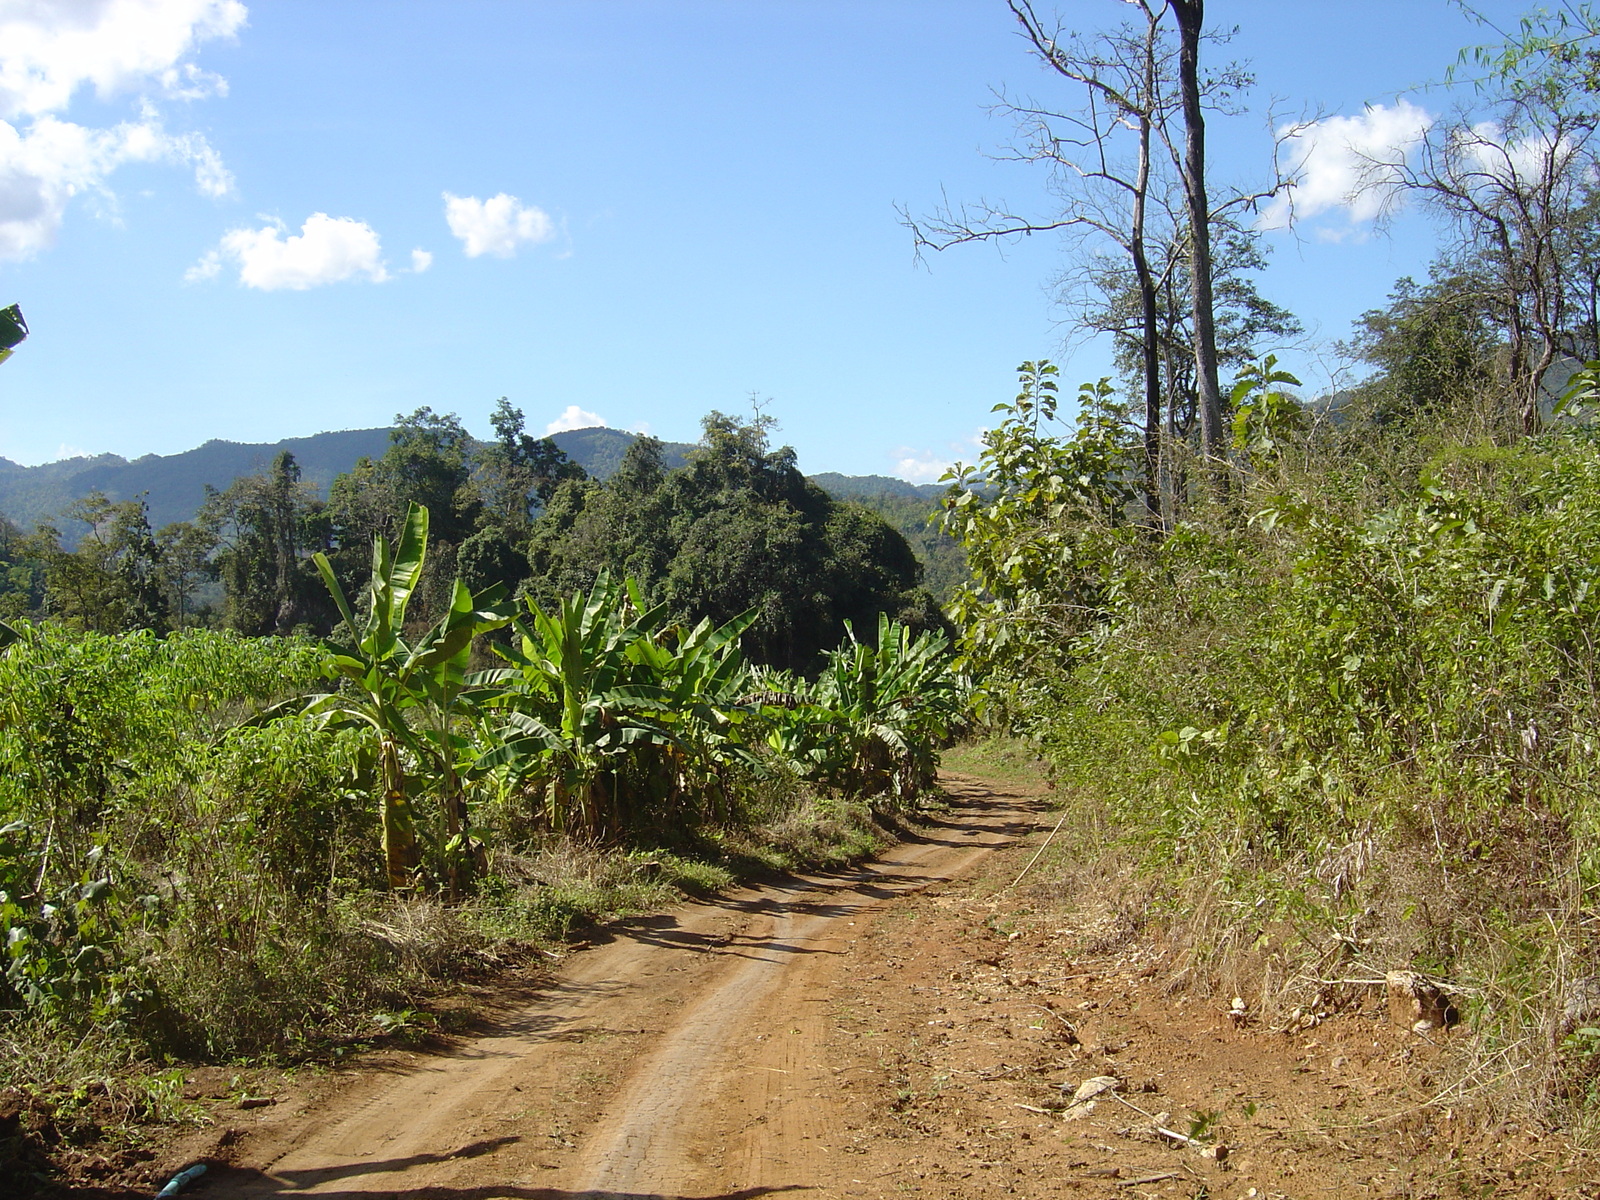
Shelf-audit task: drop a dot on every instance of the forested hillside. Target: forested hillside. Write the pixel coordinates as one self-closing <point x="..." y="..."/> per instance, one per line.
<point x="173" y="486"/>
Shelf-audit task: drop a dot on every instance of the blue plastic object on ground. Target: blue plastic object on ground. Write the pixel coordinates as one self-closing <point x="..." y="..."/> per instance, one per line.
<point x="181" y="1180"/>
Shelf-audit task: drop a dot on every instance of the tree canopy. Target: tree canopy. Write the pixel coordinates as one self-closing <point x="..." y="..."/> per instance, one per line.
<point x="738" y="528"/>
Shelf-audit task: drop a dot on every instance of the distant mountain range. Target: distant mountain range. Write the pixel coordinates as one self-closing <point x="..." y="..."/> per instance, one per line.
<point x="853" y="487"/>
<point x="174" y="485"/>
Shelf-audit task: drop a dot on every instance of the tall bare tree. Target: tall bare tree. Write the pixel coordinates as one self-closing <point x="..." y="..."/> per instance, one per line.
<point x="1190" y="16"/>
<point x="1128" y="180"/>
<point x="1516" y="180"/>
<point x="1105" y="156"/>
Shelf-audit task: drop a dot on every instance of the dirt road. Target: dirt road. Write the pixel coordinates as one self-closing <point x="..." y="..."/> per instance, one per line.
<point x="919" y="1027"/>
<point x="682" y="1057"/>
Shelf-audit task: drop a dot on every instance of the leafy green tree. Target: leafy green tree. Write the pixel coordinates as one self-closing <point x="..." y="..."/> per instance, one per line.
<point x="738" y="528"/>
<point x="265" y="528"/>
<point x="429" y="463"/>
<point x="1041" y="516"/>
<point x="518" y="473"/>
<point x="893" y="701"/>
<point x="1264" y="417"/>
<point x="22" y="590"/>
<point x="113" y="581"/>
<point x="921" y="522"/>
<point x="187" y="567"/>
<point x="575" y="717"/>
<point x="1432" y="345"/>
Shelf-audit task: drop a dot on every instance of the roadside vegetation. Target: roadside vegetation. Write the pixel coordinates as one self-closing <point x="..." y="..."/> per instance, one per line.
<point x="223" y="848"/>
<point x="1317" y="681"/>
<point x="1321" y="691"/>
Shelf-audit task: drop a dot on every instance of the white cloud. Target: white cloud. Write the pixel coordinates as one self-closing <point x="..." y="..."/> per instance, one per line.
<point x="49" y="49"/>
<point x="326" y="250"/>
<point x="49" y="162"/>
<point x="421" y="260"/>
<point x="1344" y="164"/>
<point x="496" y="225"/>
<point x="209" y="267"/>
<point x="574" y="418"/>
<point x="1485" y="156"/>
<point x="927" y="466"/>
<point x="66" y="451"/>
<point x="210" y="176"/>
<point x="919" y="466"/>
<point x="52" y="49"/>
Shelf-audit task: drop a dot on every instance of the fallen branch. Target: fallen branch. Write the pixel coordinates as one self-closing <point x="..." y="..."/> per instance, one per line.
<point x="1040" y="851"/>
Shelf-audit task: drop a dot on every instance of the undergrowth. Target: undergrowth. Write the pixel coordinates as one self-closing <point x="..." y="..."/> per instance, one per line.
<point x="181" y="883"/>
<point x="1339" y="726"/>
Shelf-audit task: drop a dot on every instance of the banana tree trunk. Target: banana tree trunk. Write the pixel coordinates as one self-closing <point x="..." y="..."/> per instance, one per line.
<point x="458" y="838"/>
<point x="400" y="854"/>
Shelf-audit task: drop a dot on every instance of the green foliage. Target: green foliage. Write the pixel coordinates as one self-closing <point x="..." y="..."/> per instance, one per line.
<point x="62" y="952"/>
<point x="429" y="463"/>
<point x="393" y="679"/>
<point x="611" y="717"/>
<point x="22" y="591"/>
<point x="114" y="580"/>
<point x="738" y="528"/>
<point x="260" y="532"/>
<point x="1346" y="718"/>
<point x="1432" y="342"/>
<point x="921" y="522"/>
<point x="517" y="473"/>
<point x="1244" y="317"/>
<point x="190" y="832"/>
<point x="1041" y="517"/>
<point x="1263" y="417"/>
<point x="893" y="703"/>
<point x="118" y="826"/>
<point x="13" y="330"/>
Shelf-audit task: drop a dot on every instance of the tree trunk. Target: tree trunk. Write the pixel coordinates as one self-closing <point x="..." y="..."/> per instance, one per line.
<point x="1190" y="16"/>
<point x="1147" y="304"/>
<point x="400" y="854"/>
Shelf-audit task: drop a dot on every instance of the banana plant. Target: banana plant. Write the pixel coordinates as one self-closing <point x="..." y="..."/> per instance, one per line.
<point x="892" y="703"/>
<point x="693" y="683"/>
<point x="570" y="714"/>
<point x="389" y="681"/>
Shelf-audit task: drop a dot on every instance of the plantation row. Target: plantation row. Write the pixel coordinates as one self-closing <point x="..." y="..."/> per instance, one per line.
<point x="198" y="829"/>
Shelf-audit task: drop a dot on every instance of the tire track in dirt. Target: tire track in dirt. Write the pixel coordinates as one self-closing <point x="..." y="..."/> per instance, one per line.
<point x="682" y="1057"/>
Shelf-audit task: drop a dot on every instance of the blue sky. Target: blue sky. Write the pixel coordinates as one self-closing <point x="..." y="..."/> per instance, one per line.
<point x="257" y="221"/>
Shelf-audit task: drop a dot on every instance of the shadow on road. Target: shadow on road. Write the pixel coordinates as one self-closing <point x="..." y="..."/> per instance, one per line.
<point x="237" y="1183"/>
<point x="240" y="1183"/>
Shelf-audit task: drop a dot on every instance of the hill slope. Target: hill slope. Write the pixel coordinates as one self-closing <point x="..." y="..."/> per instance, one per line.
<point x="174" y="485"/>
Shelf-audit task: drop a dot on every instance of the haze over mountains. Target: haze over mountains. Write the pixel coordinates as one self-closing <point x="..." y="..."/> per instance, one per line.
<point x="174" y="485"/>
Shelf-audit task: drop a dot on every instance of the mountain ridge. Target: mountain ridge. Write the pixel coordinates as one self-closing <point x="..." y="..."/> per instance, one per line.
<point x="174" y="485"/>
